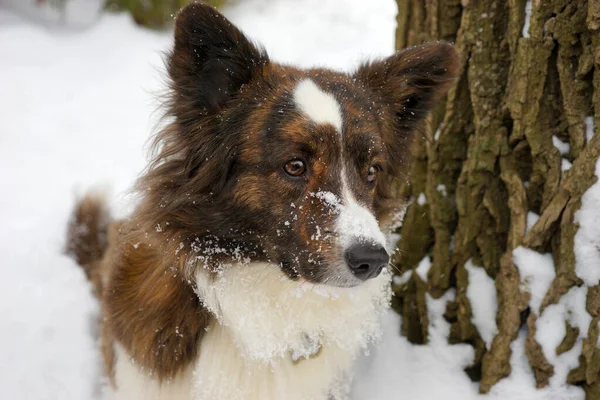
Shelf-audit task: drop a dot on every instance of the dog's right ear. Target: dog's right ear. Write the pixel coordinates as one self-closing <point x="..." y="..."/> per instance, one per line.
<point x="212" y="59"/>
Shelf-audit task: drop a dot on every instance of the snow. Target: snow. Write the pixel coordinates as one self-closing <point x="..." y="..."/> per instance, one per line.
<point x="484" y="304"/>
<point x="402" y="279"/>
<point x="537" y="272"/>
<point x="422" y="200"/>
<point x="353" y="220"/>
<point x="589" y="128"/>
<point x="520" y="384"/>
<point x="432" y="371"/>
<point x="562" y="147"/>
<point x="316" y="32"/>
<point x="77" y="111"/>
<point x="442" y="189"/>
<point x="551" y="330"/>
<point x="423" y="268"/>
<point x="75" y="114"/>
<point x="398" y="218"/>
<point x="329" y="198"/>
<point x="587" y="238"/>
<point x="525" y="31"/>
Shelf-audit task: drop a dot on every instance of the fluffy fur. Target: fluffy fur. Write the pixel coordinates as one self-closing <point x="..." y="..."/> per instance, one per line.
<point x="257" y="349"/>
<point x="232" y="278"/>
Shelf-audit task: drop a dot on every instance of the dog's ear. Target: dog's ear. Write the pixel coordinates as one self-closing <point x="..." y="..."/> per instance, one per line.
<point x="410" y="82"/>
<point x="212" y="59"/>
<point x="406" y="86"/>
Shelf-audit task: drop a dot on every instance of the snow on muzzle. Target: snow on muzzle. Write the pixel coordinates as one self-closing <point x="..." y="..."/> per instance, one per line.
<point x="362" y="242"/>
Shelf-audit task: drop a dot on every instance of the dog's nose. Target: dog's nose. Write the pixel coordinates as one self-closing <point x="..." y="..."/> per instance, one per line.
<point x="366" y="260"/>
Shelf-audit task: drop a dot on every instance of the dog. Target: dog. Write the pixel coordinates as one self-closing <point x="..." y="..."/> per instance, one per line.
<point x="255" y="265"/>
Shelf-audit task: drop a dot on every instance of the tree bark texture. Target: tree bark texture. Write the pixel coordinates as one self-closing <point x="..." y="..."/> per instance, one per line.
<point x="487" y="159"/>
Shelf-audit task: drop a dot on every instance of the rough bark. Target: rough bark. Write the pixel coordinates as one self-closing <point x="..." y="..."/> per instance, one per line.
<point x="487" y="159"/>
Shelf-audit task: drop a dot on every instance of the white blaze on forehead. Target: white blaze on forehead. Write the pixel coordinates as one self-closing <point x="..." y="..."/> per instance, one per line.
<point x="355" y="222"/>
<point x="318" y="105"/>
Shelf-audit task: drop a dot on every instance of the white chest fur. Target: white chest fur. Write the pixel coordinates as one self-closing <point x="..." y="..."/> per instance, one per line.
<point x="134" y="384"/>
<point x="262" y="318"/>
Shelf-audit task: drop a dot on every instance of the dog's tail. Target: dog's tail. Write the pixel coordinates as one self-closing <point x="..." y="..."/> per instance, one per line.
<point x="87" y="236"/>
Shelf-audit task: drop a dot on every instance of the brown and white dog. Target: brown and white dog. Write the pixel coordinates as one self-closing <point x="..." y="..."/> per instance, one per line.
<point x="254" y="266"/>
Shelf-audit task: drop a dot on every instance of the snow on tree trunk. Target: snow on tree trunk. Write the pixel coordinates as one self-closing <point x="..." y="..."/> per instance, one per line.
<point x="501" y="174"/>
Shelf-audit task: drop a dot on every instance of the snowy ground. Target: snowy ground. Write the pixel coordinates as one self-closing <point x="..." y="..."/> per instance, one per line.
<point x="77" y="109"/>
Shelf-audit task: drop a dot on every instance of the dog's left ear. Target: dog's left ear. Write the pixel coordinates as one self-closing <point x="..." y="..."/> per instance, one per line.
<point x="409" y="83"/>
<point x="212" y="59"/>
<point x="405" y="86"/>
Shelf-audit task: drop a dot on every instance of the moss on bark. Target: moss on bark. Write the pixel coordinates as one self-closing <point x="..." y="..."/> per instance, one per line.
<point x="487" y="160"/>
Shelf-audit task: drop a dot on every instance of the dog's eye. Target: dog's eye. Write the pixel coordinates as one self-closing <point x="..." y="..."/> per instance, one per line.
<point x="295" y="167"/>
<point x="372" y="175"/>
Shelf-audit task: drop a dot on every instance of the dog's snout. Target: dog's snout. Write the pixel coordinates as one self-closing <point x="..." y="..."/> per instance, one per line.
<point x="366" y="260"/>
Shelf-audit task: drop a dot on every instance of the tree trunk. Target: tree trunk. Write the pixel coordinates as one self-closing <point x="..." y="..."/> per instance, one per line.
<point x="489" y="161"/>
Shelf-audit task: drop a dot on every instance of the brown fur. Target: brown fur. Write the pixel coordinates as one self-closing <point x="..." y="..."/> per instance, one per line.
<point x="217" y="180"/>
<point x="87" y="236"/>
<point x="147" y="304"/>
<point x="152" y="310"/>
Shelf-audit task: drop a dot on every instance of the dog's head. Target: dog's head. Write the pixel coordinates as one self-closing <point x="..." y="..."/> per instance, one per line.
<point x="286" y="165"/>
